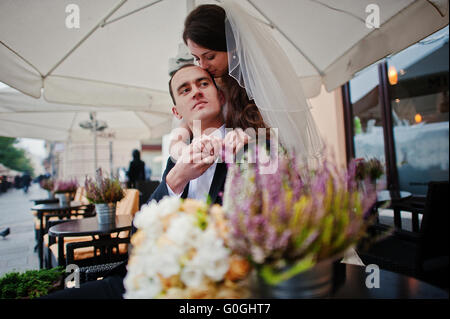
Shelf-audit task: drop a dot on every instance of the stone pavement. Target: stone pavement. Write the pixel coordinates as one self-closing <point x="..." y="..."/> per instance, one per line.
<point x="17" y="249"/>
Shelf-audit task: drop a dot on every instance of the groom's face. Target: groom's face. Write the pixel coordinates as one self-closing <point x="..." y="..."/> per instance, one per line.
<point x="196" y="96"/>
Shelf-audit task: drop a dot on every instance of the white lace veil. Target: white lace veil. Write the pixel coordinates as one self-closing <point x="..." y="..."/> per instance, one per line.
<point x="259" y="64"/>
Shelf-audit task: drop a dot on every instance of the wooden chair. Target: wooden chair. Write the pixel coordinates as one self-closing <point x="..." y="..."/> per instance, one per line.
<point x="85" y="211"/>
<point x="423" y="254"/>
<point x="87" y="250"/>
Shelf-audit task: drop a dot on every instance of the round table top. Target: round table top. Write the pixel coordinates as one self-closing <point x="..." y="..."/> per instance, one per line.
<point x="90" y="226"/>
<point x="387" y="195"/>
<point x="390" y="286"/>
<point x="45" y="201"/>
<point x="57" y="206"/>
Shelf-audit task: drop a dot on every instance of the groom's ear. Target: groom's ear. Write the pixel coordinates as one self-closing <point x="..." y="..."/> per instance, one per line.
<point x="176" y="114"/>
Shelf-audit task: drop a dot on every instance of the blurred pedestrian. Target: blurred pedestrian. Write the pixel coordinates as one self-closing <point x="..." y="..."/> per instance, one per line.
<point x="136" y="171"/>
<point x="26" y="181"/>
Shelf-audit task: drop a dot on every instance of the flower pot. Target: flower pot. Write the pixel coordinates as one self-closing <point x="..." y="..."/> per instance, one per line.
<point x="50" y="194"/>
<point x="317" y="282"/>
<point x="106" y="213"/>
<point x="64" y="198"/>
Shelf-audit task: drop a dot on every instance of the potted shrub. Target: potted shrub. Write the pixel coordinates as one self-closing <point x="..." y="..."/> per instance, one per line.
<point x="31" y="284"/>
<point x="64" y="190"/>
<point x="48" y="184"/>
<point x="104" y="193"/>
<point x="294" y="224"/>
<point x="368" y="170"/>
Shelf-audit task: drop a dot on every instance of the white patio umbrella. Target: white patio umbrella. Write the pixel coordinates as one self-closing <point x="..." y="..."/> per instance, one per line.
<point x="24" y="116"/>
<point x="117" y="54"/>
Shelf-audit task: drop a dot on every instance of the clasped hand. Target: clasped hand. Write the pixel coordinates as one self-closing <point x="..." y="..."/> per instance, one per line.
<point x="198" y="156"/>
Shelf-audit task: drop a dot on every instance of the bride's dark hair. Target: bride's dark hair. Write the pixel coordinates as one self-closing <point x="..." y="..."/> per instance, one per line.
<point x="205" y="26"/>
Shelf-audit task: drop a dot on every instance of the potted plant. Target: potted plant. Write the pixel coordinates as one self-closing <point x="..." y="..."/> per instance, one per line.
<point x="294" y="224"/>
<point x="64" y="190"/>
<point x="104" y="192"/>
<point x="370" y="170"/>
<point x="48" y="184"/>
<point x="31" y="284"/>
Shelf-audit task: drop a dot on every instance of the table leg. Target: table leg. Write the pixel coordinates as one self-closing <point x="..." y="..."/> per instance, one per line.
<point x="61" y="260"/>
<point x="41" y="240"/>
<point x="397" y="218"/>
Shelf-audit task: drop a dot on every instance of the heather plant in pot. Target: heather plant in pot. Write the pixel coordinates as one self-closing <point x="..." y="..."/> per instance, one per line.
<point x="48" y="184"/>
<point x="104" y="192"/>
<point x="294" y="224"/>
<point x="368" y="169"/>
<point x="64" y="190"/>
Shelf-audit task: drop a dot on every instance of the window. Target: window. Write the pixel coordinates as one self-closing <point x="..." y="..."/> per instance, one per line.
<point x="399" y="113"/>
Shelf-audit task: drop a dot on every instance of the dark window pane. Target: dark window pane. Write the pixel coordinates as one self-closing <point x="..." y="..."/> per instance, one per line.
<point x="418" y="78"/>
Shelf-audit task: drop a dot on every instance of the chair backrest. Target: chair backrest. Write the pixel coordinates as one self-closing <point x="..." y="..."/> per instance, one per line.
<point x="434" y="230"/>
<point x="80" y="195"/>
<point x="129" y="205"/>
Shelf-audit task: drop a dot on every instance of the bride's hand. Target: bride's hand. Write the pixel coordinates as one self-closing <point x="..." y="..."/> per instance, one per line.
<point x="234" y="141"/>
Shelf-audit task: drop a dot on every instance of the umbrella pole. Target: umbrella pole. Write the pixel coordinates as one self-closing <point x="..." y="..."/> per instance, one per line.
<point x="111" y="158"/>
<point x="94" y="130"/>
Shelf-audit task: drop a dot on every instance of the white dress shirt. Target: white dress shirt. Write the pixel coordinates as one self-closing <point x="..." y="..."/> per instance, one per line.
<point x="199" y="187"/>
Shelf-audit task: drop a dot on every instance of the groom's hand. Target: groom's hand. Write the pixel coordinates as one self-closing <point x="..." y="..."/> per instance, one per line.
<point x="195" y="159"/>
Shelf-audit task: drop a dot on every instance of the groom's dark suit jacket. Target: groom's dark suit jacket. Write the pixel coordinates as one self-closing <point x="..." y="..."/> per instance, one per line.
<point x="215" y="191"/>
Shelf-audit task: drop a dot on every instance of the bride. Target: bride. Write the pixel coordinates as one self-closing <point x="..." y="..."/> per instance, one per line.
<point x="255" y="75"/>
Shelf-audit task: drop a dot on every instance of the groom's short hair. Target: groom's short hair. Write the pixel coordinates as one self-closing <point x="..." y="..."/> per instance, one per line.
<point x="183" y="67"/>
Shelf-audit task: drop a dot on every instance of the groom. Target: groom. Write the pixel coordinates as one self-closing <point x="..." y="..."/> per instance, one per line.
<point x="196" y="173"/>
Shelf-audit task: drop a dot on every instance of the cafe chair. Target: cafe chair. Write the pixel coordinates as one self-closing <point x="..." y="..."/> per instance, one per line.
<point x="93" y="250"/>
<point x="82" y="212"/>
<point x="423" y="254"/>
<point x="146" y="189"/>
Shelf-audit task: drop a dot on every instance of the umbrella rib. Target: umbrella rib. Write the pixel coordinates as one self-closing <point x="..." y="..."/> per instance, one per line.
<point x="72" y="123"/>
<point x="143" y="121"/>
<point x="287" y="38"/>
<point x="86" y="36"/>
<point x="25" y="60"/>
<point x="339" y="10"/>
<point x="130" y="13"/>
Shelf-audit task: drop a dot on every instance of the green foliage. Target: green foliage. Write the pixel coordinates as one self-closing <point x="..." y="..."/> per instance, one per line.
<point x="30" y="284"/>
<point x="12" y="157"/>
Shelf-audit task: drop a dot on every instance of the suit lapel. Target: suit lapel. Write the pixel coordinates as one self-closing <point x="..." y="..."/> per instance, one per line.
<point x="218" y="182"/>
<point x="185" y="192"/>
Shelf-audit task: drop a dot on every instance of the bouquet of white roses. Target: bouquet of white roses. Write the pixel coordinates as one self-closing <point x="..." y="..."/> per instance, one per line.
<point x="180" y="251"/>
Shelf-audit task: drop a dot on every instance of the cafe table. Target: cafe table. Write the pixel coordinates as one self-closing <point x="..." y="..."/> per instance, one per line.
<point x="370" y="282"/>
<point x="51" y="210"/>
<point x="88" y="227"/>
<point x="352" y="281"/>
<point x="38" y="201"/>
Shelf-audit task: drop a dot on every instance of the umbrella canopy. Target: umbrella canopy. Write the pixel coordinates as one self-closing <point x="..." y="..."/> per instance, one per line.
<point x="116" y="52"/>
<point x="24" y="116"/>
